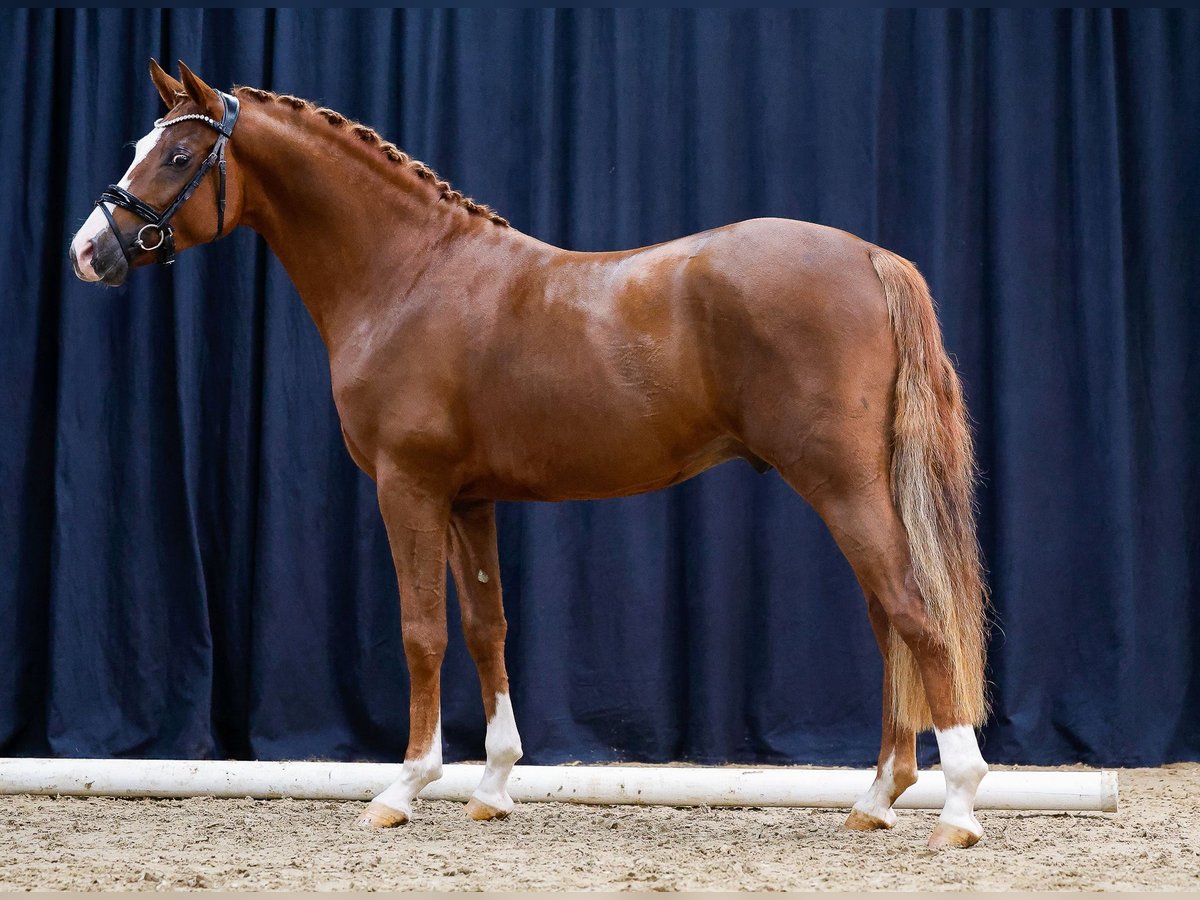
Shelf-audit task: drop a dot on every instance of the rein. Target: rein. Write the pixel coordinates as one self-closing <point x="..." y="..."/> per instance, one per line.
<point x="159" y="222"/>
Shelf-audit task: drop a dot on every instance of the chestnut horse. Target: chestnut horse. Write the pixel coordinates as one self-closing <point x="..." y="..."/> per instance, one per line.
<point x="471" y="363"/>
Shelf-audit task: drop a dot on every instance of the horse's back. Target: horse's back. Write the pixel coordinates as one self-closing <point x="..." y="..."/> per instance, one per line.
<point x="774" y="277"/>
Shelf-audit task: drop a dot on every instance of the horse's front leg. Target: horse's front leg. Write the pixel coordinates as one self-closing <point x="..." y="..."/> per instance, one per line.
<point x="417" y="517"/>
<point x="476" y="565"/>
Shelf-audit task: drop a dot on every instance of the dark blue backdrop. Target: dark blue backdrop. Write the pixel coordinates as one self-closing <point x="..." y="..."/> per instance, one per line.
<point x="190" y="564"/>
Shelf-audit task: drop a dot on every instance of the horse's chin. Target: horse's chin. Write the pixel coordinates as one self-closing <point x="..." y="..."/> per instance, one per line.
<point x="115" y="277"/>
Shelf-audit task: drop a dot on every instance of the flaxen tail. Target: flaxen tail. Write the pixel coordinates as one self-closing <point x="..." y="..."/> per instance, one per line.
<point x="933" y="487"/>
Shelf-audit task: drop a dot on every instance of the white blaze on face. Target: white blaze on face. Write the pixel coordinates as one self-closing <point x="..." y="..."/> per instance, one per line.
<point x="503" y="745"/>
<point x="964" y="768"/>
<point x="81" y="245"/>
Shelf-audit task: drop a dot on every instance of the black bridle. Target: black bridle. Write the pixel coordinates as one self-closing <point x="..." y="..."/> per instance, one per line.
<point x="159" y="222"/>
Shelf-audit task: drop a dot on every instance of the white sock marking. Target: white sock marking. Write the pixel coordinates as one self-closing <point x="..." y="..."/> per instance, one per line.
<point x="503" y="746"/>
<point x="964" y="768"/>
<point x="96" y="222"/>
<point x="877" y="801"/>
<point x="414" y="776"/>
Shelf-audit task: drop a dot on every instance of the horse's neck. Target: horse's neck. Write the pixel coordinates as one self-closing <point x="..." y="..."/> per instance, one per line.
<point x="352" y="228"/>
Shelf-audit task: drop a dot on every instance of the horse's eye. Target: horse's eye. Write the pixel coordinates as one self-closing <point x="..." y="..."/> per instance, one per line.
<point x="179" y="160"/>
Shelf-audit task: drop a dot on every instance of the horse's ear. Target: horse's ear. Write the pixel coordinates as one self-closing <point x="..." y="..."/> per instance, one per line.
<point x="204" y="96"/>
<point x="168" y="88"/>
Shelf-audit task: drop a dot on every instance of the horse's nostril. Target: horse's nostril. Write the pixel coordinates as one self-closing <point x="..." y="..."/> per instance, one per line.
<point x="83" y="260"/>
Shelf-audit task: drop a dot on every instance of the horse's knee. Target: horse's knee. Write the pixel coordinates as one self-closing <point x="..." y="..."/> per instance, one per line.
<point x="425" y="651"/>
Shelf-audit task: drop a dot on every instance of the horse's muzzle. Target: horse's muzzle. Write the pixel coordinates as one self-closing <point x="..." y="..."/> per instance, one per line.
<point x="100" y="260"/>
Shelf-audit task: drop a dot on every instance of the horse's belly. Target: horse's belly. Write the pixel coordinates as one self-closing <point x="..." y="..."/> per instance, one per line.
<point x="610" y="469"/>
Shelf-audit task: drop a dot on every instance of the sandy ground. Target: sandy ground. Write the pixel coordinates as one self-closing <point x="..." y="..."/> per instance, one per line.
<point x="90" y="843"/>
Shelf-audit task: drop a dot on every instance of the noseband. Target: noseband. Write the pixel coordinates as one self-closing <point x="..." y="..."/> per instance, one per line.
<point x="158" y="223"/>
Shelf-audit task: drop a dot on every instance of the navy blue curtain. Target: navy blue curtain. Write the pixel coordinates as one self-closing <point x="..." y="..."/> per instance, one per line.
<point x="191" y="565"/>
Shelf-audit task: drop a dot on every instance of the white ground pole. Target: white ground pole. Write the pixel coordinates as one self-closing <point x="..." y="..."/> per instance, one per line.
<point x="609" y="785"/>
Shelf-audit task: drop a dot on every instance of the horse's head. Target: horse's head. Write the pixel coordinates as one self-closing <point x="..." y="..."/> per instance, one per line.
<point x="180" y="190"/>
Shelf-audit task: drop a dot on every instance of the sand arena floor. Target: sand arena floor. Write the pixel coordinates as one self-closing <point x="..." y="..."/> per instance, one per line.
<point x="92" y="843"/>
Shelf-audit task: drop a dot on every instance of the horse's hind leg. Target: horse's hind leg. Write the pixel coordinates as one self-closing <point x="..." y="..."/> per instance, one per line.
<point x="896" y="770"/>
<point x="417" y="519"/>
<point x="858" y="509"/>
<point x="475" y="563"/>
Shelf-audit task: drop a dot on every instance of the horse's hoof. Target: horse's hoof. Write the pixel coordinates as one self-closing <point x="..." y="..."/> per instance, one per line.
<point x="861" y="821"/>
<point x="946" y="836"/>
<point x="482" y="812"/>
<point x="376" y="815"/>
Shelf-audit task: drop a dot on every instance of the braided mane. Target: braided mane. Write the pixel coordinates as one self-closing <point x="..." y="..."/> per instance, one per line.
<point x="390" y="150"/>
